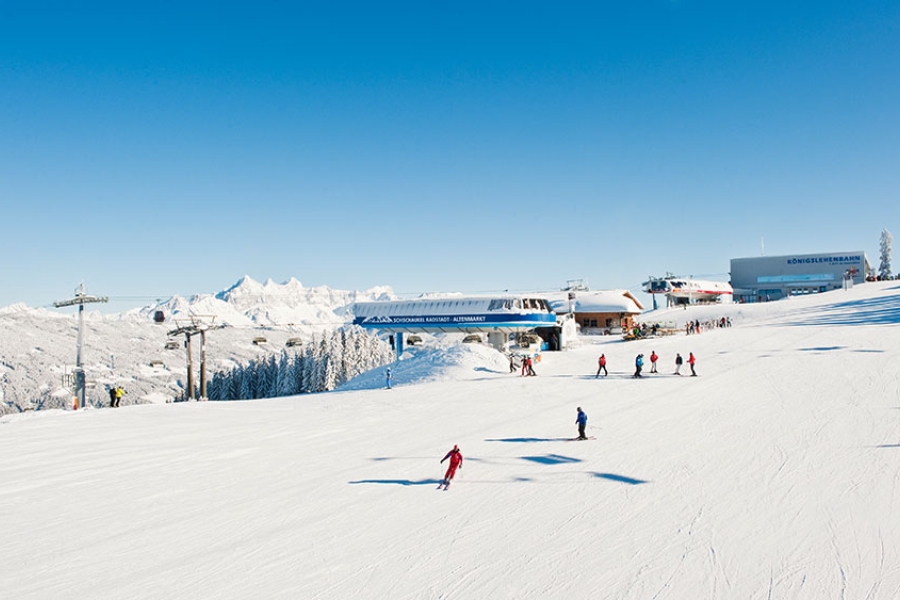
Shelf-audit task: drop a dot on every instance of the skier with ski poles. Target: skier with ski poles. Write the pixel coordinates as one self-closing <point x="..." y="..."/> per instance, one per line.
<point x="456" y="460"/>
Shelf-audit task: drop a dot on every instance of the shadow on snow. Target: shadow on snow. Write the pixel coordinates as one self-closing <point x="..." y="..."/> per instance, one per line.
<point x="526" y="440"/>
<point x="620" y="478"/>
<point x="551" y="459"/>
<point x="883" y="310"/>
<point x="399" y="481"/>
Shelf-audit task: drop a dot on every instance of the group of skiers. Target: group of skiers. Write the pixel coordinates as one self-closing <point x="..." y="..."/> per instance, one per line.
<point x="692" y="360"/>
<point x="527" y="366"/>
<point x="694" y="327"/>
<point x="115" y="395"/>
<point x="654" y="358"/>
<point x="455" y="455"/>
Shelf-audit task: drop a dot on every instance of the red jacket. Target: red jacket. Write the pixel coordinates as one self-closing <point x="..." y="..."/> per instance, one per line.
<point x="602" y="361"/>
<point x="654" y="357"/>
<point x="692" y="360"/>
<point x="455" y="457"/>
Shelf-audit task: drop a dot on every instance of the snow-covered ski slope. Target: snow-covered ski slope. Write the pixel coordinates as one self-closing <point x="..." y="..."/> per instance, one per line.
<point x="774" y="474"/>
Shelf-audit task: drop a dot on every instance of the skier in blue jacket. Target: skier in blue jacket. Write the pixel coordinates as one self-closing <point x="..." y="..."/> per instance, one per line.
<point x="581" y="419"/>
<point x="638" y="364"/>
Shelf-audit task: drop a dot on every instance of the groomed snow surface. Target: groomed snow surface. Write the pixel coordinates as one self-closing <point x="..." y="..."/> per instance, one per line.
<point x="774" y="474"/>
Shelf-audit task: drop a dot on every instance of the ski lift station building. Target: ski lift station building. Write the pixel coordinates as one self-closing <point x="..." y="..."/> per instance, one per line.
<point x="765" y="278"/>
<point x="497" y="316"/>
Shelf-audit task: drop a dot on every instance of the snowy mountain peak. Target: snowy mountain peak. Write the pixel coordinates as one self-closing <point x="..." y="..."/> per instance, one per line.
<point x="249" y="303"/>
<point x="245" y="285"/>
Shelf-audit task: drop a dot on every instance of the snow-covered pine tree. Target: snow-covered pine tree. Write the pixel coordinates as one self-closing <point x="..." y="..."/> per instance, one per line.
<point x="354" y="350"/>
<point x="300" y="369"/>
<point x="333" y="361"/>
<point x="286" y="385"/>
<point x="320" y="365"/>
<point x="259" y="377"/>
<point x="214" y="386"/>
<point x="376" y="353"/>
<point x="365" y="348"/>
<point x="346" y="364"/>
<point x="884" y="269"/>
<point x="236" y="376"/>
<point x="310" y="363"/>
<point x="269" y="384"/>
<point x="224" y="386"/>
<point x="247" y="374"/>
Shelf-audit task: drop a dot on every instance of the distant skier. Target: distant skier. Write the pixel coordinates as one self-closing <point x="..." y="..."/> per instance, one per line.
<point x="653" y="358"/>
<point x="112" y="396"/>
<point x="456" y="461"/>
<point x="120" y="391"/>
<point x="581" y="421"/>
<point x="638" y="365"/>
<point x="530" y="368"/>
<point x="512" y="363"/>
<point x="678" y="362"/>
<point x="602" y="366"/>
<point x="691" y="361"/>
<point x="388" y="376"/>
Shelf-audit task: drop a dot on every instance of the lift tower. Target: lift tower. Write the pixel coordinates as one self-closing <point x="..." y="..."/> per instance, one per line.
<point x="80" y="299"/>
<point x="197" y="325"/>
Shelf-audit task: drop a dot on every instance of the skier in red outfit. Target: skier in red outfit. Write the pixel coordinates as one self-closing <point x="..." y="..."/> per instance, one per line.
<point x="456" y="460"/>
<point x="602" y="362"/>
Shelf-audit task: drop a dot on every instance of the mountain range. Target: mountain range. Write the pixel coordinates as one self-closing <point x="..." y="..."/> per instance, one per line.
<point x="38" y="345"/>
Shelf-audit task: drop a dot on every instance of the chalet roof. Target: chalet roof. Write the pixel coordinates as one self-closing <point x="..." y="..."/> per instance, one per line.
<point x="601" y="301"/>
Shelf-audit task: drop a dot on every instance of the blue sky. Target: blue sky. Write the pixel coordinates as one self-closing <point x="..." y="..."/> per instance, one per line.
<point x="152" y="149"/>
